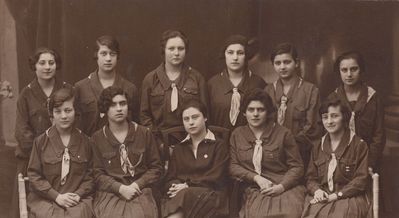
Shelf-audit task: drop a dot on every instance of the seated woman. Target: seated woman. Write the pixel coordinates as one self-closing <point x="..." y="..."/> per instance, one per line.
<point x="59" y="169"/>
<point x="265" y="156"/>
<point x="198" y="169"/>
<point x="126" y="162"/>
<point x="337" y="173"/>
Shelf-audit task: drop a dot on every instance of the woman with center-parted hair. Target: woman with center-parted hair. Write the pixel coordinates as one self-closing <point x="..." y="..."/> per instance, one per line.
<point x="126" y="161"/>
<point x="197" y="175"/>
<point x="226" y="89"/>
<point x="59" y="170"/>
<point x="32" y="116"/>
<point x="265" y="156"/>
<point x="170" y="84"/>
<point x="107" y="54"/>
<point x="337" y="175"/>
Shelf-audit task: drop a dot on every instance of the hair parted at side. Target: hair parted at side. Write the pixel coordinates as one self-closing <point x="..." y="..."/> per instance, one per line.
<point x="108" y="41"/>
<point x="169" y="34"/>
<point x="60" y="96"/>
<point x="194" y="103"/>
<point x="284" y="48"/>
<point x="34" y="58"/>
<point x="334" y="101"/>
<point x="259" y="95"/>
<point x="106" y="96"/>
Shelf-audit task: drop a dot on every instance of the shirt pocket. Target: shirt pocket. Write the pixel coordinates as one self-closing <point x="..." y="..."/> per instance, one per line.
<point x="136" y="157"/>
<point x="299" y="113"/>
<point x="111" y="161"/>
<point x="39" y="120"/>
<point x="79" y="164"/>
<point x="88" y="106"/>
<point x="52" y="165"/>
<point x="271" y="153"/>
<point x="347" y="168"/>
<point x="157" y="98"/>
<point x="321" y="166"/>
<point x="245" y="152"/>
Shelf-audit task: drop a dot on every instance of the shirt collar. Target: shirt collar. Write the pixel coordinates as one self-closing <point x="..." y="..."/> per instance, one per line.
<point x="165" y="81"/>
<point x="209" y="136"/>
<point x="113" y="141"/>
<point x="55" y="139"/>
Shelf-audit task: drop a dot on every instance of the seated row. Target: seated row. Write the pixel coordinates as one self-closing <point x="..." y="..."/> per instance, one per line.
<point x="113" y="173"/>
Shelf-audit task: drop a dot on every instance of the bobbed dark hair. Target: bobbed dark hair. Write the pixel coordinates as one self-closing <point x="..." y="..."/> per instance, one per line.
<point x="259" y="95"/>
<point x="169" y="34"/>
<point x="106" y="96"/>
<point x="108" y="41"/>
<point x="194" y="103"/>
<point x="334" y="101"/>
<point x="34" y="58"/>
<point x="284" y="48"/>
<point x="60" y="96"/>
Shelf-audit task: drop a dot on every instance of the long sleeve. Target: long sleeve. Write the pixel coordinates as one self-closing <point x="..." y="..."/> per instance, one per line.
<point x="135" y="103"/>
<point x="236" y="168"/>
<point x="146" y="118"/>
<point x="203" y="89"/>
<point x="36" y="178"/>
<point x="312" y="177"/>
<point x="153" y="163"/>
<point x="87" y="185"/>
<point x="358" y="183"/>
<point x="294" y="163"/>
<point x="378" y="138"/>
<point x="171" y="175"/>
<point x="23" y="131"/>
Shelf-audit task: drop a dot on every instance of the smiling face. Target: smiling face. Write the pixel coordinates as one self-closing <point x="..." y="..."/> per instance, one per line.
<point x="333" y="120"/>
<point x="64" y="115"/>
<point x="45" y="66"/>
<point x="235" y="57"/>
<point x="117" y="112"/>
<point x="194" y="121"/>
<point x="106" y="59"/>
<point x="175" y="51"/>
<point x="350" y="72"/>
<point x="256" y="114"/>
<point x="285" y="65"/>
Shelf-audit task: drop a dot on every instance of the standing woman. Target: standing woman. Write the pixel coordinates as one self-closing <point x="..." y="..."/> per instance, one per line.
<point x="196" y="179"/>
<point x="59" y="170"/>
<point x="337" y="173"/>
<point x="32" y="114"/>
<point x="265" y="156"/>
<point x="170" y="84"/>
<point x="296" y="99"/>
<point x="227" y="88"/>
<point x="126" y="161"/>
<point x="367" y="111"/>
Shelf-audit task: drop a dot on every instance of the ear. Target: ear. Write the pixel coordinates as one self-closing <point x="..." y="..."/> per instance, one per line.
<point x="297" y="63"/>
<point x="205" y="119"/>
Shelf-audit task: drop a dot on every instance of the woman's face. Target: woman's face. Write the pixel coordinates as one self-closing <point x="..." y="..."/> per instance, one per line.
<point x="285" y="65"/>
<point x="350" y="71"/>
<point x="117" y="112"/>
<point x="333" y="120"/>
<point x="45" y="66"/>
<point x="64" y="115"/>
<point x="193" y="121"/>
<point x="235" y="57"/>
<point x="106" y="59"/>
<point x="175" y="51"/>
<point x="256" y="114"/>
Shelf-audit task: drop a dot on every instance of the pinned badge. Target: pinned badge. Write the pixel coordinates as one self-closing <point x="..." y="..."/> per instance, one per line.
<point x="102" y="115"/>
<point x="205" y="156"/>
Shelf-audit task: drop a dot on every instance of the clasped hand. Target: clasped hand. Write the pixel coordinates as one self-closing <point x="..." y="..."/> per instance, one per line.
<point x="267" y="187"/>
<point x="130" y="191"/>
<point x="321" y="196"/>
<point x="175" y="188"/>
<point x="67" y="199"/>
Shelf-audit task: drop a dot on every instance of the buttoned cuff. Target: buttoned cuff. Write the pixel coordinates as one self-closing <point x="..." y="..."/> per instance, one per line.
<point x="115" y="187"/>
<point x="52" y="193"/>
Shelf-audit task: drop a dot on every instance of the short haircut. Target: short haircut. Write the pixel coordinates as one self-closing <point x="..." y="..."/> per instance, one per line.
<point x="59" y="97"/>
<point x="106" y="96"/>
<point x="194" y="103"/>
<point x="259" y="95"/>
<point x="284" y="48"/>
<point x="33" y="59"/>
<point x="350" y="55"/>
<point x="170" y="34"/>
<point x="334" y="101"/>
<point x="108" y="41"/>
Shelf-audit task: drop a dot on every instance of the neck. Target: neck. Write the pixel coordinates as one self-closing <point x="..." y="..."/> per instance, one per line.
<point x="235" y="74"/>
<point x="46" y="83"/>
<point x="352" y="89"/>
<point x="258" y="131"/>
<point x="173" y="68"/>
<point x="337" y="136"/>
<point x="290" y="80"/>
<point x="198" y="137"/>
<point x="102" y="75"/>
<point x="118" y="127"/>
<point x="64" y="131"/>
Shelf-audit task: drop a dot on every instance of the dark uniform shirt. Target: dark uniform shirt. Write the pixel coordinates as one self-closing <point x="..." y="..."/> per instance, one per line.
<point x="281" y="162"/>
<point x="88" y="93"/>
<point x="142" y="153"/>
<point x="45" y="165"/>
<point x="369" y="121"/>
<point x="155" y="111"/>
<point x="350" y="176"/>
<point x="220" y="91"/>
<point x="32" y="116"/>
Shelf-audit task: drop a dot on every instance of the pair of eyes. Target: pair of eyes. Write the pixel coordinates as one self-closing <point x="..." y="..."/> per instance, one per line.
<point x="122" y="103"/>
<point x="259" y="110"/>
<point x="179" y="48"/>
<point x="111" y="53"/>
<point x="66" y="110"/>
<point x="239" y="52"/>
<point x="333" y="116"/>
<point x="43" y="62"/>
<point x="285" y="62"/>
<point x="350" y="69"/>
<point x="193" y="117"/>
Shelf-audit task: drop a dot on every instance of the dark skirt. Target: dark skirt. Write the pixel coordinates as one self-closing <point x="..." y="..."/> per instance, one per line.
<point x="107" y="204"/>
<point x="43" y="208"/>
<point x="195" y="202"/>
<point x="288" y="204"/>
<point x="355" y="207"/>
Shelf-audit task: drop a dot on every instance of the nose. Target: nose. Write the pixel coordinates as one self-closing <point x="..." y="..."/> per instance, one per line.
<point x="108" y="57"/>
<point x="118" y="107"/>
<point x="256" y="112"/>
<point x="329" y="120"/>
<point x="176" y="51"/>
<point x="63" y="114"/>
<point x="235" y="56"/>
